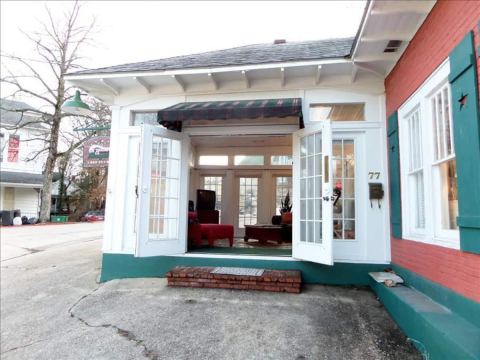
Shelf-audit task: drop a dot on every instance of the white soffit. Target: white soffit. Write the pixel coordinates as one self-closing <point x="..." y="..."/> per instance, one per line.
<point x="388" y="21"/>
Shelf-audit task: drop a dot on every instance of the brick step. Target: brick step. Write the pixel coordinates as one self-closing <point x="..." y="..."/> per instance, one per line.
<point x="202" y="277"/>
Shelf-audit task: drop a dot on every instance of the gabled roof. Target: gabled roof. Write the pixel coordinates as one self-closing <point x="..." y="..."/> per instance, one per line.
<point x="10" y="117"/>
<point x="243" y="55"/>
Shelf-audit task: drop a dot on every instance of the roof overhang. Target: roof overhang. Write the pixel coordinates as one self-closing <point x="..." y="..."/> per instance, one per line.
<point x="369" y="63"/>
<point x="386" y="31"/>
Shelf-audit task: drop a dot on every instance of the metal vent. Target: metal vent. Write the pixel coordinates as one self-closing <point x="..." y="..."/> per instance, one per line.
<point x="393" y="46"/>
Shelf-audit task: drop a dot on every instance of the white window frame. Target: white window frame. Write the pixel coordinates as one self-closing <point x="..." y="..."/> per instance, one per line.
<point x="421" y="101"/>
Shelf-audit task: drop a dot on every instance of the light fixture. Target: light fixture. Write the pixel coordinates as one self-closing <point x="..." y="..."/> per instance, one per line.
<point x="76" y="106"/>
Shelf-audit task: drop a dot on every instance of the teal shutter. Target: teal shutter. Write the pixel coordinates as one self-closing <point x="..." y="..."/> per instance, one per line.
<point x="466" y="131"/>
<point x="394" y="172"/>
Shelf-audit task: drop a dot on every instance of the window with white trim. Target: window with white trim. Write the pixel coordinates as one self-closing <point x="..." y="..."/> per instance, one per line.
<point x="444" y="166"/>
<point x="428" y="167"/>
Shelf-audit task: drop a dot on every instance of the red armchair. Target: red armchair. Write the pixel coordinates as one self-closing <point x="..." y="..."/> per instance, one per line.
<point x="210" y="231"/>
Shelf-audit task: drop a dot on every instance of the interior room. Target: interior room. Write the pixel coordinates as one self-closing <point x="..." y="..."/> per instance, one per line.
<point x="240" y="193"/>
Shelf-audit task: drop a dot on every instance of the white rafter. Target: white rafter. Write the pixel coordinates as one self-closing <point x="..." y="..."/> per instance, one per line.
<point x="370" y="68"/>
<point x="214" y="81"/>
<point x="246" y="79"/>
<point x="378" y="57"/>
<point x="113" y="88"/>
<point x="180" y="82"/>
<point x="143" y="83"/>
<point x="282" y="76"/>
<point x="318" y="73"/>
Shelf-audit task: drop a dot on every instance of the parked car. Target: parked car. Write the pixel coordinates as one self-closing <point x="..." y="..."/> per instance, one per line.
<point x="93" y="215"/>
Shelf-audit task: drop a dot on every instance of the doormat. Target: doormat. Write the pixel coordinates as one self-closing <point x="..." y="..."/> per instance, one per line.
<point x="237" y="271"/>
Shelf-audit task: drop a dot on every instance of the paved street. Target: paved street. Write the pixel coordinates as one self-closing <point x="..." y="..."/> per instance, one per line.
<point x="52" y="308"/>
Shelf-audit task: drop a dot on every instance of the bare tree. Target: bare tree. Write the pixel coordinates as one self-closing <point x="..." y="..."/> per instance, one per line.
<point x="57" y="47"/>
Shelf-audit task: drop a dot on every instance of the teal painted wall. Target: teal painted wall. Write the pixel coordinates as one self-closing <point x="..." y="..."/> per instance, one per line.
<point x="467" y="308"/>
<point x="119" y="266"/>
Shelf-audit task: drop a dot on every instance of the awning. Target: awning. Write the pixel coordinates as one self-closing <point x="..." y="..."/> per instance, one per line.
<point x="173" y="116"/>
<point x="23" y="178"/>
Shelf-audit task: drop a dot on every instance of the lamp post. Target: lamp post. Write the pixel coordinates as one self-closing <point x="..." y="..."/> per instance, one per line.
<point x="76" y="106"/>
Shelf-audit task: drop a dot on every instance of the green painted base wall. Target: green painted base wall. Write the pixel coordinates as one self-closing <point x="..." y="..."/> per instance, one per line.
<point x="120" y="266"/>
<point x="467" y="308"/>
<point x="446" y="328"/>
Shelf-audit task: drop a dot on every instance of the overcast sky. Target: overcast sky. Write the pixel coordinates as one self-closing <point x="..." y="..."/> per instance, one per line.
<point x="130" y="31"/>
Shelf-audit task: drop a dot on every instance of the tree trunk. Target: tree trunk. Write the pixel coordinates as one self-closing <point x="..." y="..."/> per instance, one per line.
<point x="46" y="201"/>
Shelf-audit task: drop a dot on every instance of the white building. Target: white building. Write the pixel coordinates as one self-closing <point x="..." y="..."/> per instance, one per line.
<point x="21" y="180"/>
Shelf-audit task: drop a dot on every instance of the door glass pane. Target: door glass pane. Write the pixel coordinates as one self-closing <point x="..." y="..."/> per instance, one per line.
<point x="164" y="188"/>
<point x="247" y="209"/>
<point x="310" y="188"/>
<point x="344" y="178"/>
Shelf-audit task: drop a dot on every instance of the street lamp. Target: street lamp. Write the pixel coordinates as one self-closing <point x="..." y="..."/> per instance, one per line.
<point x="76" y="106"/>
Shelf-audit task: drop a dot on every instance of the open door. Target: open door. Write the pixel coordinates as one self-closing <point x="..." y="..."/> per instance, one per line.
<point x="162" y="192"/>
<point x="312" y="194"/>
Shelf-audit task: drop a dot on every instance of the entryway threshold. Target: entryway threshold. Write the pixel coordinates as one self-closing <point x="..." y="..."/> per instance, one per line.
<point x="237" y="256"/>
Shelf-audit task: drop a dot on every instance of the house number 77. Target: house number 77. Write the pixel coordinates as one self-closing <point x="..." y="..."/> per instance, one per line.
<point x="374" y="175"/>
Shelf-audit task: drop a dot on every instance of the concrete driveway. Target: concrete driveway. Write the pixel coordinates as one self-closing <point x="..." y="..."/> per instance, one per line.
<point x="52" y="308"/>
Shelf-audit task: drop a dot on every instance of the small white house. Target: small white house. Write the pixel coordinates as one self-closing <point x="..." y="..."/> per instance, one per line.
<point x="253" y="123"/>
<point x="20" y="140"/>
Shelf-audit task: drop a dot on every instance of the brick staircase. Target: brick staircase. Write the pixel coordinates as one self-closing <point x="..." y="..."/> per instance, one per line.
<point x="204" y="277"/>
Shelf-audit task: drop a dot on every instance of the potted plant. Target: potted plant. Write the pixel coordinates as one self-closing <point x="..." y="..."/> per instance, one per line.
<point x="286" y="209"/>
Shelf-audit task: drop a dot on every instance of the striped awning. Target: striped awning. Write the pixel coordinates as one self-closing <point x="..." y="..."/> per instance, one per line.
<point x="172" y="116"/>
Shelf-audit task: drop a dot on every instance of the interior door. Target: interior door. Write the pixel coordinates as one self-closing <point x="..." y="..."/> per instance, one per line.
<point x="312" y="194"/>
<point x="162" y="192"/>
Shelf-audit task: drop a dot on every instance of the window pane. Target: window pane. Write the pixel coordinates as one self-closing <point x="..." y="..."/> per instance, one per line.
<point x="248" y="160"/>
<point x="449" y="193"/>
<point x="344" y="177"/>
<point x="247" y="210"/>
<point x="442" y="123"/>
<point x="213" y="160"/>
<point x="164" y="190"/>
<point x="338" y="112"/>
<point x="283" y="187"/>
<point x="140" y="118"/>
<point x="281" y="160"/>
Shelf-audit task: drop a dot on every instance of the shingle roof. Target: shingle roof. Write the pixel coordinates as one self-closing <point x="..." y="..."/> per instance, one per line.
<point x="14" y="118"/>
<point x="14" y="177"/>
<point x="243" y="55"/>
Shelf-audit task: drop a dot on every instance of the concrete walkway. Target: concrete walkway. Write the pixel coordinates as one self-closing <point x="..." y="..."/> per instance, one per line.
<point x="21" y="240"/>
<point x="52" y="308"/>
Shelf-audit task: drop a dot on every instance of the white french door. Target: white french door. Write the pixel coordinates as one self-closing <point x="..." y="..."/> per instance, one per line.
<point x="162" y="192"/>
<point x="312" y="194"/>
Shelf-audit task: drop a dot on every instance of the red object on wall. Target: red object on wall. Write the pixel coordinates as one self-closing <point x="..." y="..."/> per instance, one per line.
<point x="445" y="26"/>
<point x="13" y="148"/>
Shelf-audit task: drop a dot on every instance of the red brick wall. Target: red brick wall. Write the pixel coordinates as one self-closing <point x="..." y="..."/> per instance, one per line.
<point x="445" y="26"/>
<point x="459" y="271"/>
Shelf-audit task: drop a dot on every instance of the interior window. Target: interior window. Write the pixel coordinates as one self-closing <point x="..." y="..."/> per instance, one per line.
<point x="213" y="160"/>
<point x="247" y="202"/>
<point x="283" y="186"/>
<point x="338" y="112"/>
<point x="281" y="160"/>
<point x="144" y="117"/>
<point x="240" y="160"/>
